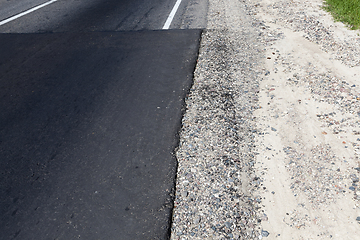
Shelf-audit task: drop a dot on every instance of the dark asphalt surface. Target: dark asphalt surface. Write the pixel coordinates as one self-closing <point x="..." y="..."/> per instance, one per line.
<point x="88" y="125"/>
<point x="103" y="15"/>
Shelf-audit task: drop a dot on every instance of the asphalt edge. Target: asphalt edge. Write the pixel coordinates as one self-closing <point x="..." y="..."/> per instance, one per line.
<point x="178" y="131"/>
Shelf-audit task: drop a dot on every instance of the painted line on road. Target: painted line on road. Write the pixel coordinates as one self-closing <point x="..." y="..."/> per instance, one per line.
<point x="26" y="12"/>
<point x="171" y="15"/>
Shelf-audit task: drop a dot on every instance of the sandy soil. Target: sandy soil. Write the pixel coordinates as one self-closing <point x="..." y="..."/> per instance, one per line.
<point x="309" y="124"/>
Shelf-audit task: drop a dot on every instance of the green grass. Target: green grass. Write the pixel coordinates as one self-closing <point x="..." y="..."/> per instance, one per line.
<point x="346" y="11"/>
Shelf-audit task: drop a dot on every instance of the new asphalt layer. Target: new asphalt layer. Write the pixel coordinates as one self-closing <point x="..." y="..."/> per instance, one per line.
<point x="88" y="127"/>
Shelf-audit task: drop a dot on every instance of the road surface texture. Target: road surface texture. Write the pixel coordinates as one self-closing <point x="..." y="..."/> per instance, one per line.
<point x="269" y="145"/>
<point x="91" y="100"/>
<point x="269" y="141"/>
<point x="100" y="15"/>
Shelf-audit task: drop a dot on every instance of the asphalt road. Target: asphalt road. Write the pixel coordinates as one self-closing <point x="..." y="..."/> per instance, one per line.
<point x="91" y="99"/>
<point x="102" y="15"/>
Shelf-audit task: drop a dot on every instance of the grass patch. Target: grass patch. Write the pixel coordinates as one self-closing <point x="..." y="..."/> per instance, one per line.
<point x="346" y="11"/>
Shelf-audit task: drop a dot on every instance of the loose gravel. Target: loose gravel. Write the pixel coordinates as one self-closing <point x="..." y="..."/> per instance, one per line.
<point x="216" y="154"/>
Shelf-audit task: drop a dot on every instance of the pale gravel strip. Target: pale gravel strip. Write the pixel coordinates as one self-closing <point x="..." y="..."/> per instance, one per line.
<point x="215" y="180"/>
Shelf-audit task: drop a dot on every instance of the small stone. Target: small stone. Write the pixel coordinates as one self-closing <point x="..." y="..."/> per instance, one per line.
<point x="228" y="225"/>
<point x="197" y="220"/>
<point x="273" y="129"/>
<point x="184" y="194"/>
<point x="352" y="188"/>
<point x="358" y="219"/>
<point x="264" y="233"/>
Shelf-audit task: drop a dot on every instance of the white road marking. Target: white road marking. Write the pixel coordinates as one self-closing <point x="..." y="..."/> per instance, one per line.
<point x="171" y="15"/>
<point x="26" y="12"/>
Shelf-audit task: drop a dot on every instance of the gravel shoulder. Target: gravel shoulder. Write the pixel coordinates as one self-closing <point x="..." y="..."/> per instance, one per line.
<point x="269" y="145"/>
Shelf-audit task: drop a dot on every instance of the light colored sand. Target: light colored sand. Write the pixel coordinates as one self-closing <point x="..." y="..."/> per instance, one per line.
<point x="321" y="205"/>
